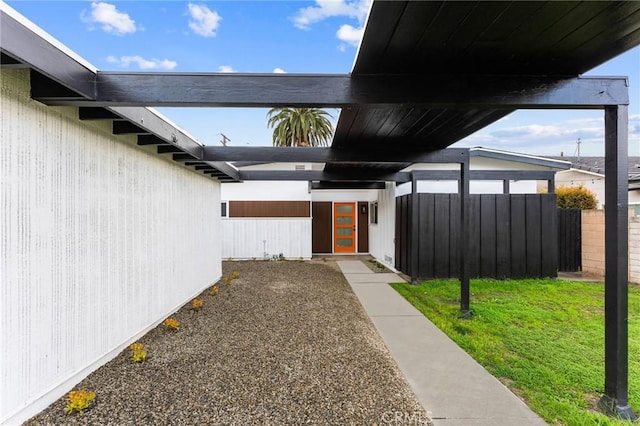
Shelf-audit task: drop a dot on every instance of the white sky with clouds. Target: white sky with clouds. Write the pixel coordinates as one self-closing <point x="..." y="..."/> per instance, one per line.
<point x="318" y="36"/>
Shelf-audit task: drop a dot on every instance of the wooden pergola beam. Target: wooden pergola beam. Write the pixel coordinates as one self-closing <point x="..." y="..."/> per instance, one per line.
<point x="343" y="91"/>
<point x="329" y="155"/>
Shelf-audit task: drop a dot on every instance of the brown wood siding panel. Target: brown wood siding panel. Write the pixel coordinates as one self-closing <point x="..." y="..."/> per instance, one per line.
<point x="321" y="227"/>
<point x="363" y="227"/>
<point x="269" y="209"/>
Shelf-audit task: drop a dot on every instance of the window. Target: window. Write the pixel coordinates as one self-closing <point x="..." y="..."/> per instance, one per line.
<point x="223" y="209"/>
<point x="373" y="213"/>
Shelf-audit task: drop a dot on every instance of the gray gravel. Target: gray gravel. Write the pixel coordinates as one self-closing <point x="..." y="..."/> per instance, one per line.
<point x="287" y="343"/>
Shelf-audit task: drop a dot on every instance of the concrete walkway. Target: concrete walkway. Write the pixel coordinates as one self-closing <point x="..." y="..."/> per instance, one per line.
<point x="448" y="382"/>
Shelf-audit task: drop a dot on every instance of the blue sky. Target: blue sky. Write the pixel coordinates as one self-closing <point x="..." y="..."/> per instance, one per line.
<point x="318" y="36"/>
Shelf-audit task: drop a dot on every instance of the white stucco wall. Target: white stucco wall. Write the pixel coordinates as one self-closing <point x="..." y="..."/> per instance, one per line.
<point x="100" y="241"/>
<point x="253" y="190"/>
<point x="247" y="238"/>
<point x="382" y="235"/>
<point x="344" y="195"/>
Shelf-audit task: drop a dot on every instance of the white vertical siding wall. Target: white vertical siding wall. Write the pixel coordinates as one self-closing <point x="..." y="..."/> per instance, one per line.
<point x="251" y="238"/>
<point x="266" y="191"/>
<point x="382" y="235"/>
<point x="99" y="242"/>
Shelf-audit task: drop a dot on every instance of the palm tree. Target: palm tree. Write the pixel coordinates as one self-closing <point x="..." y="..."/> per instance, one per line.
<point x="300" y="126"/>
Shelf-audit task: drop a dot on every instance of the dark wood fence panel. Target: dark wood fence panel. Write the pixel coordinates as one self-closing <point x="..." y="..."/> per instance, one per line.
<point x="441" y="236"/>
<point x="403" y="238"/>
<point x="475" y="233"/>
<point x="321" y="227"/>
<point x="363" y="227"/>
<point x="426" y="227"/>
<point x="488" y="227"/>
<point x="397" y="240"/>
<point x="510" y="235"/>
<point x="518" y="253"/>
<point x="503" y="237"/>
<point x="549" y="232"/>
<point x="454" y="235"/>
<point x="534" y="232"/>
<point x="569" y="252"/>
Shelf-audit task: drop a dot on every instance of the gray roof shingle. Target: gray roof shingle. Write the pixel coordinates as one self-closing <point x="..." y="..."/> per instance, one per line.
<point x="596" y="165"/>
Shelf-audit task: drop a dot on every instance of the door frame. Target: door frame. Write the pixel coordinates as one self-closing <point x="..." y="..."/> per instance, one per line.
<point x="353" y="249"/>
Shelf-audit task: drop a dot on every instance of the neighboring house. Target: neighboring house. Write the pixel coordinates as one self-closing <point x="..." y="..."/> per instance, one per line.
<point x="298" y="219"/>
<point x="589" y="172"/>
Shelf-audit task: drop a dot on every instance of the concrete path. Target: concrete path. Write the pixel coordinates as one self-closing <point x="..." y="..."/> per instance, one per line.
<point x="448" y="382"/>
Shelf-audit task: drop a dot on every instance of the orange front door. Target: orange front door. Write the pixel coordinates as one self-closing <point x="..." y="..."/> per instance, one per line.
<point x="344" y="227"/>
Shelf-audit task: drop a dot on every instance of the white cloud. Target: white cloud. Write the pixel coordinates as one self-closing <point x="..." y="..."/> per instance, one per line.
<point x="204" y="21"/>
<point x="110" y="19"/>
<point x="226" y="68"/>
<point x="143" y="64"/>
<point x="279" y="71"/>
<point x="350" y="35"/>
<point x="551" y="139"/>
<point x="356" y="9"/>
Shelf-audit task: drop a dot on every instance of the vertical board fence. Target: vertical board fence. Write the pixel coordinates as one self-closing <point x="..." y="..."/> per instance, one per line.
<point x="510" y="235"/>
<point x="569" y="240"/>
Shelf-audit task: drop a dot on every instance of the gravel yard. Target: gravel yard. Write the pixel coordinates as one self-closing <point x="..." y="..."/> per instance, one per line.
<point x="287" y="343"/>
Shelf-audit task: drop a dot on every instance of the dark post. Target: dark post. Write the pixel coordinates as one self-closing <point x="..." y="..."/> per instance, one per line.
<point x="551" y="186"/>
<point x="414" y="223"/>
<point x="615" y="398"/>
<point x="464" y="238"/>
<point x="505" y="186"/>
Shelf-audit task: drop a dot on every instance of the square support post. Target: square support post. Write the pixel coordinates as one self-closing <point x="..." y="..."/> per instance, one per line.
<point x="506" y="186"/>
<point x="415" y="228"/>
<point x="615" y="399"/>
<point x="464" y="238"/>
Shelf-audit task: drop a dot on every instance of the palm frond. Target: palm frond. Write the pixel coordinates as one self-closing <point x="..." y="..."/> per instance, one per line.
<point x="300" y="126"/>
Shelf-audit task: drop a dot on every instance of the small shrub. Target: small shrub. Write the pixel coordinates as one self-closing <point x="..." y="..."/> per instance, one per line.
<point x="575" y="197"/>
<point x="196" y="304"/>
<point x="228" y="280"/>
<point x="214" y="290"/>
<point x="78" y="401"/>
<point x="171" y="323"/>
<point x="138" y="354"/>
<point x="377" y="264"/>
<point x="235" y="275"/>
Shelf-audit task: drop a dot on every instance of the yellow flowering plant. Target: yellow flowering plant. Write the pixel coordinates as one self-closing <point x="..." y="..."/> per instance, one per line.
<point x="138" y="354"/>
<point x="171" y="323"/>
<point x="196" y="304"/>
<point x="78" y="401"/>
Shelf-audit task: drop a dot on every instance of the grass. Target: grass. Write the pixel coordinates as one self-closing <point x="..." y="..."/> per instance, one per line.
<point x="542" y="338"/>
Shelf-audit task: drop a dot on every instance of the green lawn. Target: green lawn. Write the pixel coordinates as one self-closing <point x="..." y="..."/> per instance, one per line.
<point x="542" y="338"/>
